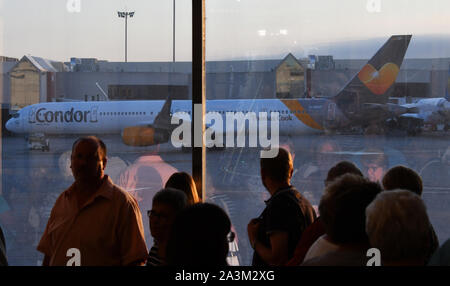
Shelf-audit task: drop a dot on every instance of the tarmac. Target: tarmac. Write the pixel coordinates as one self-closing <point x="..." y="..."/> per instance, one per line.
<point x="33" y="179"/>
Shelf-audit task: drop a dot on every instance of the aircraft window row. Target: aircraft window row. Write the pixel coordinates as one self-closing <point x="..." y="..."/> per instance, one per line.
<point x="287" y="112"/>
<point x="123" y="113"/>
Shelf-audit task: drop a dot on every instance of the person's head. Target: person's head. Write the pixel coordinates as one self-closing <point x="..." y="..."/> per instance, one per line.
<point x="397" y="224"/>
<point x="88" y="159"/>
<point x="167" y="203"/>
<point x="199" y="237"/>
<point x="342" y="168"/>
<point x="184" y="182"/>
<point x="288" y="144"/>
<point x="326" y="154"/>
<point x="277" y="169"/>
<point x="342" y="208"/>
<point x="401" y="177"/>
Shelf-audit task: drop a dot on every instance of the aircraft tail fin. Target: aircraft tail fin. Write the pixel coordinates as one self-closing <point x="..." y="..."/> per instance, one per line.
<point x="375" y="81"/>
<point x="162" y="120"/>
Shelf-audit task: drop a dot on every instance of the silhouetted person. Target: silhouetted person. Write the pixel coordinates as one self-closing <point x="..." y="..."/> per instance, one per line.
<point x="315" y="233"/>
<point x="311" y="174"/>
<point x="342" y="211"/>
<point x="93" y="220"/>
<point x="340" y="169"/>
<point x="184" y="182"/>
<point x="3" y="260"/>
<point x="275" y="234"/>
<point x="200" y="237"/>
<point x="442" y="256"/>
<point x="401" y="177"/>
<point x="398" y="225"/>
<point x="167" y="203"/>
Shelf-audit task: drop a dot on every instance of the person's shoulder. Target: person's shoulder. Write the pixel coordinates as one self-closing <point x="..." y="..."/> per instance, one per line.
<point x="282" y="195"/>
<point x="292" y="194"/>
<point x="338" y="258"/>
<point x="64" y="194"/>
<point x="120" y="194"/>
<point x="123" y="200"/>
<point x="285" y="199"/>
<point x="301" y="198"/>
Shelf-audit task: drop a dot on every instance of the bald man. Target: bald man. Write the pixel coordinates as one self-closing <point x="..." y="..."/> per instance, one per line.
<point x="93" y="222"/>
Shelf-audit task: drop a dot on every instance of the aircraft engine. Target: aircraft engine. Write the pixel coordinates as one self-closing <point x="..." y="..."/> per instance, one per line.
<point x="143" y="136"/>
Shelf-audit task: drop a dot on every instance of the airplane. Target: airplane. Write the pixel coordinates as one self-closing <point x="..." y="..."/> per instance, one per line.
<point x="361" y="102"/>
<point x="428" y="111"/>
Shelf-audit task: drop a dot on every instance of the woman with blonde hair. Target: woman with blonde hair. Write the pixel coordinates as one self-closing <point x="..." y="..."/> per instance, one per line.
<point x="184" y="182"/>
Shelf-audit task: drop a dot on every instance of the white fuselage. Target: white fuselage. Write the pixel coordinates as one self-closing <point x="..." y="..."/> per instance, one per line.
<point x="431" y="110"/>
<point x="104" y="117"/>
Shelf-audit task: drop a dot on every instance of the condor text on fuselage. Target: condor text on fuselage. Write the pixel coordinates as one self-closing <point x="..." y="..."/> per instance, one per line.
<point x="42" y="115"/>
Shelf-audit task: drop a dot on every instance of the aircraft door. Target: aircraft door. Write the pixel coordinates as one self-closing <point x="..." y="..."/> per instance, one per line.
<point x="331" y="112"/>
<point x="32" y="115"/>
<point x="94" y="114"/>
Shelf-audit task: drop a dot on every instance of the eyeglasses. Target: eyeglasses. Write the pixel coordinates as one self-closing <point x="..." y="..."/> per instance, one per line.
<point x="231" y="236"/>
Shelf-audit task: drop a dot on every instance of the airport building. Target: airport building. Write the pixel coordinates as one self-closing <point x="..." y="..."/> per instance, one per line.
<point x="6" y="64"/>
<point x="32" y="79"/>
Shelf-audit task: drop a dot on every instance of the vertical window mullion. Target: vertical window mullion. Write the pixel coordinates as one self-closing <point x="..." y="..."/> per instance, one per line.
<point x="198" y="93"/>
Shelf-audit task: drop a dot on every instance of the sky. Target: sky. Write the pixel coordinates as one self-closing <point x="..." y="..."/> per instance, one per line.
<point x="235" y="29"/>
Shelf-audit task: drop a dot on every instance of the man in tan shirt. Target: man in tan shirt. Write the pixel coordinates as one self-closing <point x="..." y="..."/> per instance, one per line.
<point x="93" y="222"/>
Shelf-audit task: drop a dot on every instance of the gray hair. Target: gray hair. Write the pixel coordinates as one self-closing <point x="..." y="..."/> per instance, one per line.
<point x="397" y="224"/>
<point x="172" y="197"/>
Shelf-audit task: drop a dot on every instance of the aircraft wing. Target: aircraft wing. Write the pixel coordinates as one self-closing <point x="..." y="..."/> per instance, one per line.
<point x="374" y="110"/>
<point x="412" y="115"/>
<point x="156" y="132"/>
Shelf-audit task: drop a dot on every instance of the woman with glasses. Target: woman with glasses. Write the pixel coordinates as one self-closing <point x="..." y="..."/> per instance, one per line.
<point x="167" y="203"/>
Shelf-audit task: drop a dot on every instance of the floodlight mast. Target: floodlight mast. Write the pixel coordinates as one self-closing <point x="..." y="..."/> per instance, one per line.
<point x="125" y="15"/>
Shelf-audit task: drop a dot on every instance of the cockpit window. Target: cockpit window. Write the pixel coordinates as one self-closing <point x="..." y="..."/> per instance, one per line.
<point x="16" y="115"/>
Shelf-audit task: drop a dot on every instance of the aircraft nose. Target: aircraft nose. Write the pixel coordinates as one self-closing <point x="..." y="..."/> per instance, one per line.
<point x="9" y="125"/>
<point x="13" y="125"/>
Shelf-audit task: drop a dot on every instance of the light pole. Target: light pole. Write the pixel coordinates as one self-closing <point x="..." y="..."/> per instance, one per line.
<point x="173" y="26"/>
<point x="125" y="15"/>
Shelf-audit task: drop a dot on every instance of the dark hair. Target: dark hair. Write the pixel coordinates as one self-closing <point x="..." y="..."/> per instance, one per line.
<point x="342" y="168"/>
<point x="172" y="197"/>
<point x="401" y="177"/>
<point x="99" y="142"/>
<point x="184" y="182"/>
<point x="199" y="237"/>
<point x="342" y="208"/>
<point x="278" y="168"/>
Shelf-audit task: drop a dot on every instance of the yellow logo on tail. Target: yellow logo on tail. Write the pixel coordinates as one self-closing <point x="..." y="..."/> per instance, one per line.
<point x="378" y="81"/>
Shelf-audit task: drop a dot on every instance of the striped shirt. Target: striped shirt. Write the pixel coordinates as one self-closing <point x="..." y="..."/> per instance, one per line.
<point x="153" y="258"/>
